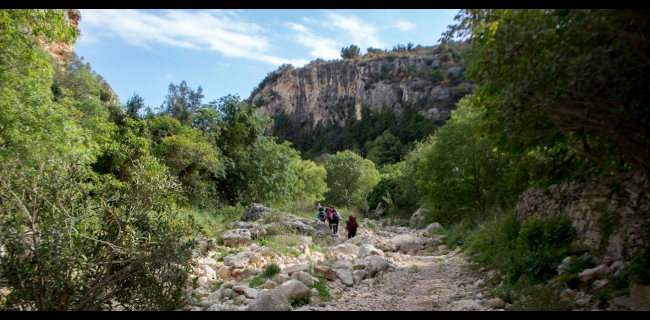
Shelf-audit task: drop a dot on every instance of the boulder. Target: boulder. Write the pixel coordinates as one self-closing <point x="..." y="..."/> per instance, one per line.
<point x="304" y="229"/>
<point x="494" y="303"/>
<point x="294" y="289"/>
<point x="241" y="260"/>
<point x="227" y="293"/>
<point x="228" y="285"/>
<point x="236" y="238"/>
<point x="208" y="272"/>
<point x="345" y="277"/>
<point x="305" y="278"/>
<point x="434" y="228"/>
<point x="468" y="305"/>
<point x="368" y="250"/>
<point x="319" y="226"/>
<point x="295" y="268"/>
<point x="344" y="249"/>
<point x="270" y="284"/>
<point x="596" y="273"/>
<point x="281" y="278"/>
<point x="250" y="293"/>
<point x="254" y="212"/>
<point x="359" y="265"/>
<point x="342" y="264"/>
<point x="224" y="272"/>
<point x="325" y="272"/>
<point x="205" y="262"/>
<point x="418" y="217"/>
<point x="442" y="248"/>
<point x="358" y="276"/>
<point x="380" y="263"/>
<point x="239" y="289"/>
<point x="270" y="300"/>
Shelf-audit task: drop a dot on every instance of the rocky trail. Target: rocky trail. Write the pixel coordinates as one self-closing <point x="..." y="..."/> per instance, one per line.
<point x="391" y="268"/>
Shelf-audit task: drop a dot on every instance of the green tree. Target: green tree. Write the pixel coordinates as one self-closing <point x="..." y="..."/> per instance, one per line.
<point x="564" y="79"/>
<point x="386" y="149"/>
<point x="462" y="174"/>
<point x="350" y="52"/>
<point x="195" y="162"/>
<point x="350" y="178"/>
<point x="181" y="102"/>
<point x="312" y="177"/>
<point x="133" y="106"/>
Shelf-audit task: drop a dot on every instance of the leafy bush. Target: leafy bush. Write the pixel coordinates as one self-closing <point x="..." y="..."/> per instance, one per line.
<point x="76" y="241"/>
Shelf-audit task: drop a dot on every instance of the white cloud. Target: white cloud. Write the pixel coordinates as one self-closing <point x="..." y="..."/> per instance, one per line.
<point x="405" y="26"/>
<point x="167" y="76"/>
<point x="361" y="33"/>
<point x="324" y="48"/>
<point x="203" y="30"/>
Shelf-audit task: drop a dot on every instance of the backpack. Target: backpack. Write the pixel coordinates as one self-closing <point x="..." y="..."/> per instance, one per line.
<point x="329" y="215"/>
<point x="321" y="214"/>
<point x="335" y="217"/>
<point x="353" y="223"/>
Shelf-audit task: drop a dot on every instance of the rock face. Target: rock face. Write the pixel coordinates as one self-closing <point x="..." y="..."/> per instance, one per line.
<point x="331" y="92"/>
<point x="596" y="273"/>
<point x="603" y="217"/>
<point x="236" y="238"/>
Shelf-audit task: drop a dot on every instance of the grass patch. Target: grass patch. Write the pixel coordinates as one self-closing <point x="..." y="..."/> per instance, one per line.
<point x="269" y="272"/>
<point x="414" y="269"/>
<point x="216" y="286"/>
<point x="297" y="303"/>
<point x="323" y="293"/>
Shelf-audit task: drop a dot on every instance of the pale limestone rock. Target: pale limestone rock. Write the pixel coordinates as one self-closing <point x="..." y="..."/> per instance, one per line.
<point x="294" y="289"/>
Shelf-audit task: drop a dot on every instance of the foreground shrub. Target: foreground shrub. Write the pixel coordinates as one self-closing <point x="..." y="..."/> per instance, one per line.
<point x="75" y="241"/>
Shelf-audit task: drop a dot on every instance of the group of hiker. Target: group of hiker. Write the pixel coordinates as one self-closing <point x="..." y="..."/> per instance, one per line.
<point x="333" y="218"/>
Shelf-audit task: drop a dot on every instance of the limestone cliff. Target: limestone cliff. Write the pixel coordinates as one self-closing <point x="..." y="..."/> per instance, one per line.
<point x="60" y="50"/>
<point x="331" y="92"/>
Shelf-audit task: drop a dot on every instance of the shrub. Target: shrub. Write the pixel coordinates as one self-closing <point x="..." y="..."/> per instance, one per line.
<point x="76" y="241"/>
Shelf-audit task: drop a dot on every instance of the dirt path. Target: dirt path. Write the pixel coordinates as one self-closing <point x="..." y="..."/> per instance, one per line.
<point x="426" y="283"/>
<point x="420" y="283"/>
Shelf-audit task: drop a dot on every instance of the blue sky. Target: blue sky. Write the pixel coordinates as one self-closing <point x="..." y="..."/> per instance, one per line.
<point x="231" y="51"/>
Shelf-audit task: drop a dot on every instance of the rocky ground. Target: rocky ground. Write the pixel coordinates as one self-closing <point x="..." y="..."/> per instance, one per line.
<point x="390" y="268"/>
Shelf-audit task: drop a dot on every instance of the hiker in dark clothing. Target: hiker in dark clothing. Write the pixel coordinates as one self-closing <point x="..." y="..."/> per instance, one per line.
<point x="351" y="227"/>
<point x="334" y="219"/>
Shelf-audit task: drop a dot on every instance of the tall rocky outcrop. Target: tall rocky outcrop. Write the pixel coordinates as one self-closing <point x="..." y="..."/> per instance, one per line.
<point x="59" y="50"/>
<point x="332" y="92"/>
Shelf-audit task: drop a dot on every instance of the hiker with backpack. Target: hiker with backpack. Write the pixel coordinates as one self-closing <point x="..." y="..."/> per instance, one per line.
<point x="321" y="215"/>
<point x="351" y="227"/>
<point x="333" y="218"/>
